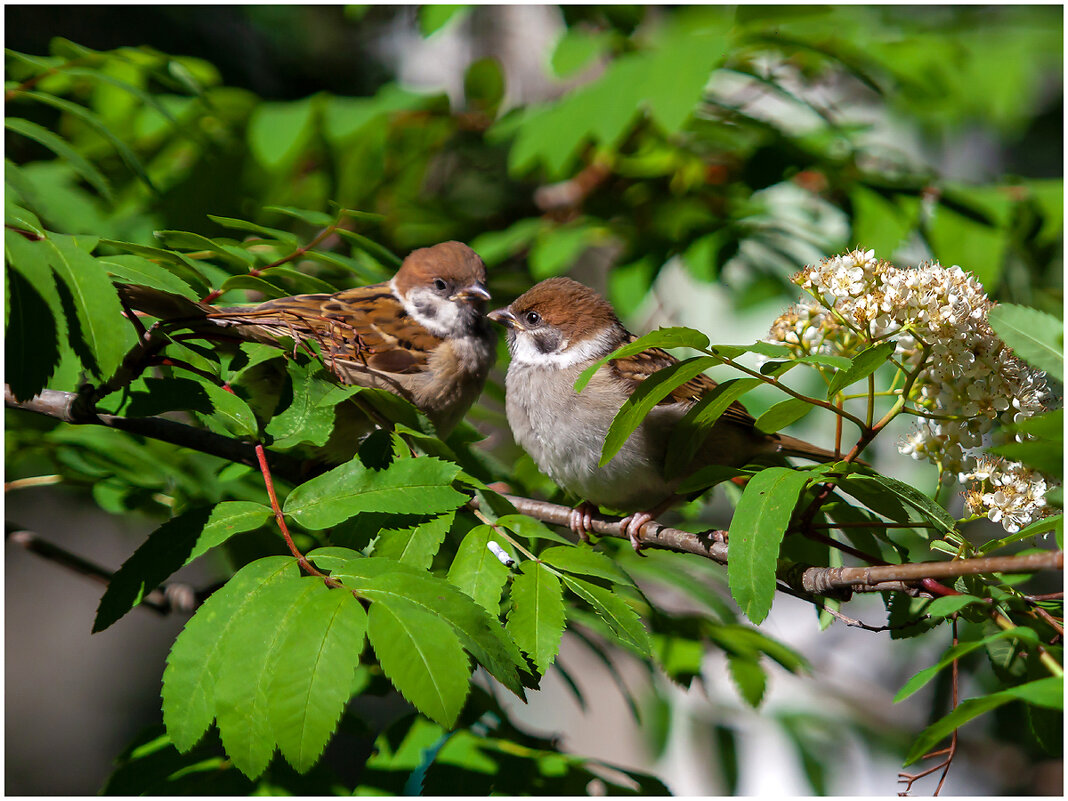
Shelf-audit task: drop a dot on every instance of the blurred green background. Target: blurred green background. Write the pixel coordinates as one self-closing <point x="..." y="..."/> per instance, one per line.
<point x="684" y="160"/>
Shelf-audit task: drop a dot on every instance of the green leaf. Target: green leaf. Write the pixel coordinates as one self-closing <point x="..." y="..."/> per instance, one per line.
<point x="285" y="237"/>
<point x="1040" y="526"/>
<point x="978" y="247"/>
<point x="622" y="620"/>
<point x="194" y="660"/>
<point x="187" y="240"/>
<point x="690" y="433"/>
<point x="529" y="528"/>
<point x="536" y="619"/>
<point x="421" y="655"/>
<point x="277" y="132"/>
<point x="642" y="401"/>
<point x="757" y="528"/>
<point x="575" y="49"/>
<point x="584" y="560"/>
<point x="556" y="249"/>
<point x="409" y="486"/>
<point x="1048" y="692"/>
<point x="94" y="122"/>
<point x="956" y="652"/>
<point x="174" y="544"/>
<point x="246" y="666"/>
<point x="479" y="632"/>
<point x="317" y="219"/>
<point x="749" y="677"/>
<point x="882" y="223"/>
<point x="709" y="476"/>
<point x="231" y="414"/>
<point x="416" y="545"/>
<point x="864" y="364"/>
<point x="1035" y="336"/>
<point x="948" y="604"/>
<point x="133" y="269"/>
<point x="95" y="302"/>
<point x="660" y="338"/>
<point x="31" y="342"/>
<point x="175" y="262"/>
<point x="433" y="18"/>
<point x="306" y="419"/>
<point x="313" y="676"/>
<point x="782" y="414"/>
<point x="477" y="572"/>
<point x="63" y="149"/>
<point x="909" y="494"/>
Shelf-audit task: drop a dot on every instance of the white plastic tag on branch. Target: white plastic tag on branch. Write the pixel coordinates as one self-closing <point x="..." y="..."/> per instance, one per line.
<point x="500" y="553"/>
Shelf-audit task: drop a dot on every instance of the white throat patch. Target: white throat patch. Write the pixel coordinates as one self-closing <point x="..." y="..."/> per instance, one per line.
<point x="524" y="351"/>
<point x="445" y="321"/>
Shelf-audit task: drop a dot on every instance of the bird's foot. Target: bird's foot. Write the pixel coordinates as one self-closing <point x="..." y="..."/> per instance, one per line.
<point x="632" y="526"/>
<point x="581" y="520"/>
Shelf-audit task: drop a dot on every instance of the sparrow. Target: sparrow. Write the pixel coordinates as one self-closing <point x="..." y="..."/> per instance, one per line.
<point x="555" y="331"/>
<point x="423" y="335"/>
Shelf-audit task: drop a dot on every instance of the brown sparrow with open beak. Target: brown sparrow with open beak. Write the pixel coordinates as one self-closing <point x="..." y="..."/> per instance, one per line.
<point x="422" y="335"/>
<point x="556" y="330"/>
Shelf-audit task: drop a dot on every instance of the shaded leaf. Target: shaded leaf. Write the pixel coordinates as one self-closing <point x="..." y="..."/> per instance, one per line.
<point x="95" y="301"/>
<point x="174" y="544"/>
<point x="63" y="149"/>
<point x="921" y="679"/>
<point x="31" y="341"/>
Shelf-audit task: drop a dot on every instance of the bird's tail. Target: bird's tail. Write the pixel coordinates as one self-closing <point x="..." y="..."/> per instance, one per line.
<point x="792" y="446"/>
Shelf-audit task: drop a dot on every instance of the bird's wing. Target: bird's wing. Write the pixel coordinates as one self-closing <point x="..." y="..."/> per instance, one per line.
<point x="367" y="325"/>
<point x="633" y="370"/>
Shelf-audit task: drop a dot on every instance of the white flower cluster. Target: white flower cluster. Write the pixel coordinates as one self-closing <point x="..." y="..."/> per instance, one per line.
<point x="970" y="379"/>
<point x="1006" y="492"/>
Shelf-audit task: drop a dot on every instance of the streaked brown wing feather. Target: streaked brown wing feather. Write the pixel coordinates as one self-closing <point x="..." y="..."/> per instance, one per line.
<point x="365" y="324"/>
<point x="635" y="369"/>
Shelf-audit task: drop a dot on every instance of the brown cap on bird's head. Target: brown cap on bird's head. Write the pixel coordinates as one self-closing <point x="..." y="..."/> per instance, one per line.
<point x="449" y="267"/>
<point x="566" y="304"/>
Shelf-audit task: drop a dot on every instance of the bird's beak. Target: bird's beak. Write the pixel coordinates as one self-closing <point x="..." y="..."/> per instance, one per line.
<point x="475" y="292"/>
<point x="505" y="318"/>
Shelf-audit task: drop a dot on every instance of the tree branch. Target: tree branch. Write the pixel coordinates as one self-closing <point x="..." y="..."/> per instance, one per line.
<point x="167" y="598"/>
<point x="836" y="581"/>
<point x="812" y="580"/>
<point x="70" y="407"/>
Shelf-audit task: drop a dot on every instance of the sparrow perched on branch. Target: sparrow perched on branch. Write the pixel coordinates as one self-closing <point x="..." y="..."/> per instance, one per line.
<point x="556" y="330"/>
<point x="422" y="335"/>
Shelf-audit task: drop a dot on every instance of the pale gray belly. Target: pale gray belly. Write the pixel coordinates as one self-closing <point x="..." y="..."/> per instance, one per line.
<point x="565" y="439"/>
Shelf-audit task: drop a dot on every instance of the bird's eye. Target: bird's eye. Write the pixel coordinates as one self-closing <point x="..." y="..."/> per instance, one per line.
<point x="532" y="318"/>
<point x="440" y="285"/>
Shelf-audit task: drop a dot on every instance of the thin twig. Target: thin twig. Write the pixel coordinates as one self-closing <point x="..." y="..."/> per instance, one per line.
<point x="167" y="598"/>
